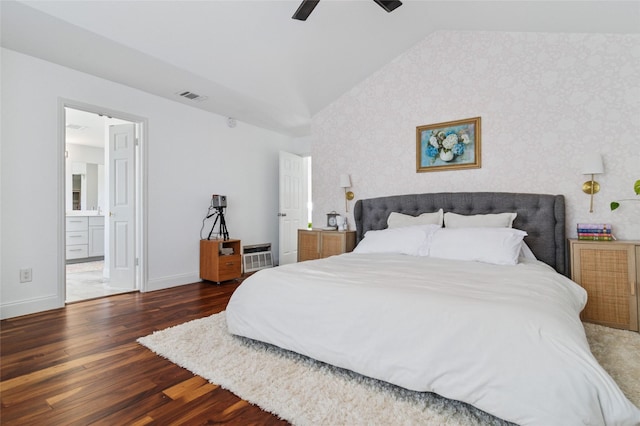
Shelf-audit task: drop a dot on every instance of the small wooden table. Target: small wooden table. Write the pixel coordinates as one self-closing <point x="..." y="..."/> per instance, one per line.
<point x="320" y="243"/>
<point x="610" y="273"/>
<point x="218" y="267"/>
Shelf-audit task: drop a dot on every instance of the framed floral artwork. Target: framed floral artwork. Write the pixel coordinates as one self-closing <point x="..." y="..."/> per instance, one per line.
<point x="448" y="146"/>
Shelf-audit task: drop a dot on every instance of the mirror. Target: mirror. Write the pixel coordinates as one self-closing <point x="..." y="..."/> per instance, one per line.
<point x="87" y="186"/>
<point x="92" y="187"/>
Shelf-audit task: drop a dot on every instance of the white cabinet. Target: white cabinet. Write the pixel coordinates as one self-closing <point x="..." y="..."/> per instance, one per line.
<point x="96" y="236"/>
<point x="77" y="238"/>
<point x="84" y="237"/>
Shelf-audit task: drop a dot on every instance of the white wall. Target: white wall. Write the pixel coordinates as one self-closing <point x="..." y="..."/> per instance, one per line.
<point x="544" y="99"/>
<point x="191" y="154"/>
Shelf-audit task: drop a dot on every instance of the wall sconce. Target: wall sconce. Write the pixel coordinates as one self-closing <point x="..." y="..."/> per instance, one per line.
<point x="592" y="166"/>
<point x="345" y="182"/>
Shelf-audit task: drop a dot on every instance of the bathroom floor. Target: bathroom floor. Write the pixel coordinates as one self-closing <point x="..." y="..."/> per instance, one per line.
<point x="85" y="281"/>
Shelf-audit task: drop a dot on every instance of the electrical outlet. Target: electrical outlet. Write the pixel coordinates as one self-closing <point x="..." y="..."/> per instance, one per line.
<point x="25" y="275"/>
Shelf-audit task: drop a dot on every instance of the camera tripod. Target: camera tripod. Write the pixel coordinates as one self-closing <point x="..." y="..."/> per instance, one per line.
<point x="222" y="231"/>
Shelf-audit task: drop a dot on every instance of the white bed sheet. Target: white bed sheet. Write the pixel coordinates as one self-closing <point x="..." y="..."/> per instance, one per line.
<point x="506" y="339"/>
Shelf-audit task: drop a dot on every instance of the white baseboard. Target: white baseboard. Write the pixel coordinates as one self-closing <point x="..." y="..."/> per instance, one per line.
<point x="31" y="306"/>
<point x="172" y="281"/>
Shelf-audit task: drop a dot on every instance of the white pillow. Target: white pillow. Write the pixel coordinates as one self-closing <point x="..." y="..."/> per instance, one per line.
<point x="412" y="240"/>
<point x="500" y="246"/>
<point x="526" y="253"/>
<point x="495" y="220"/>
<point x="397" y="220"/>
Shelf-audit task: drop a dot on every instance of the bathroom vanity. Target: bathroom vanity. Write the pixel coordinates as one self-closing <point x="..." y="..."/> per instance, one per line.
<point x="84" y="236"/>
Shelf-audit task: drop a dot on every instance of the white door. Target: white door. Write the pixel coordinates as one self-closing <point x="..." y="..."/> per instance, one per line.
<point x="121" y="257"/>
<point x="291" y="206"/>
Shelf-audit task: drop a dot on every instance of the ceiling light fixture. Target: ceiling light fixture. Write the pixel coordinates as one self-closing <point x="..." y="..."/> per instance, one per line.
<point x="78" y="127"/>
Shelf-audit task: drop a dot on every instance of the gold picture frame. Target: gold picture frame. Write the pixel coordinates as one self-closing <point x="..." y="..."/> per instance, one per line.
<point x="452" y="145"/>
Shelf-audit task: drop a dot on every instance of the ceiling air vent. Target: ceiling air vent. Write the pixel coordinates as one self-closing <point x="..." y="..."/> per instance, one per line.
<point x="192" y="96"/>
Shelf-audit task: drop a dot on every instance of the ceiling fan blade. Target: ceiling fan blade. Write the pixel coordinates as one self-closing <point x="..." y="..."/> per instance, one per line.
<point x="305" y="9"/>
<point x="389" y="5"/>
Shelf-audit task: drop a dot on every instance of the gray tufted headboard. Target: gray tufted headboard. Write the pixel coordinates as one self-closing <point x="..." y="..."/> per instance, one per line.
<point x="542" y="216"/>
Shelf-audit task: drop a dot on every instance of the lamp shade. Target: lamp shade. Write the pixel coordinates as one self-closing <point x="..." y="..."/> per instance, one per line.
<point x="345" y="181"/>
<point x="592" y="165"/>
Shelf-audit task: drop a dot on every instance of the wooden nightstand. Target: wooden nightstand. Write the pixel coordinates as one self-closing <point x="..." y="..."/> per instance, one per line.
<point x="610" y="272"/>
<point x="318" y="243"/>
<point x="218" y="267"/>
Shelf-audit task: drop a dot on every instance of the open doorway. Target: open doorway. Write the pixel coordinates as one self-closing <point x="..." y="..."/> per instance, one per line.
<point x="100" y="166"/>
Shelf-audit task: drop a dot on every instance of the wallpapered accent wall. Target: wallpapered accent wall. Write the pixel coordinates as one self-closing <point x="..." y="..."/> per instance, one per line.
<point x="544" y="100"/>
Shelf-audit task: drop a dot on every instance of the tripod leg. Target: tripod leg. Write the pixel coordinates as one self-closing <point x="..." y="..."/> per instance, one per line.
<point x="213" y="227"/>
<point x="223" y="227"/>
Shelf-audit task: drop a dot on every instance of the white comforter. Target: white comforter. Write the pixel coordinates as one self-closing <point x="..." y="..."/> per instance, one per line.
<point x="506" y="339"/>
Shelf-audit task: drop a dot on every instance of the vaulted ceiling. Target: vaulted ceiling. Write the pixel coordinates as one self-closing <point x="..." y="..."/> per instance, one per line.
<point x="251" y="61"/>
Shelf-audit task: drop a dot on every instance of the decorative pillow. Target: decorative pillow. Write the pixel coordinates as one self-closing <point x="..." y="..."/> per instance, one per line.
<point x="496" y="220"/>
<point x="412" y="240"/>
<point x="398" y="220"/>
<point x="500" y="246"/>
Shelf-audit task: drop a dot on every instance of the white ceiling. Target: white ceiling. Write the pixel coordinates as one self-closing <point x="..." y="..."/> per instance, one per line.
<point x="86" y="128"/>
<point x="256" y="64"/>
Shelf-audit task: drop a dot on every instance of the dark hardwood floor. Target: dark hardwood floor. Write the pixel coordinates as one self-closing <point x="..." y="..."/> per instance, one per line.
<point x="81" y="365"/>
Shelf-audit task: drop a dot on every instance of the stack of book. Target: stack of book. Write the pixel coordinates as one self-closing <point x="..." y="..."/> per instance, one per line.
<point x="595" y="231"/>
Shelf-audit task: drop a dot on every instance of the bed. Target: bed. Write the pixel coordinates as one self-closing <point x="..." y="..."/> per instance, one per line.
<point x="504" y="337"/>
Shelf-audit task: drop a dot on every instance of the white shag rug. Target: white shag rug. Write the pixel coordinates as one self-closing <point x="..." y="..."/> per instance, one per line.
<point x="307" y="392"/>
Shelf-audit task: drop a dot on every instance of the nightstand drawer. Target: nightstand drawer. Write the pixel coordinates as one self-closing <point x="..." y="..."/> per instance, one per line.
<point x="230" y="267"/>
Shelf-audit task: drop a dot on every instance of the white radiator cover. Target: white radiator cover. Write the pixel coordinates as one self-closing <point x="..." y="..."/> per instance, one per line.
<point x="257" y="261"/>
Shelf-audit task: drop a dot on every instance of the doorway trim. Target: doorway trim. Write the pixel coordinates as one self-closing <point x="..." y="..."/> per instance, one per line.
<point x="141" y="198"/>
